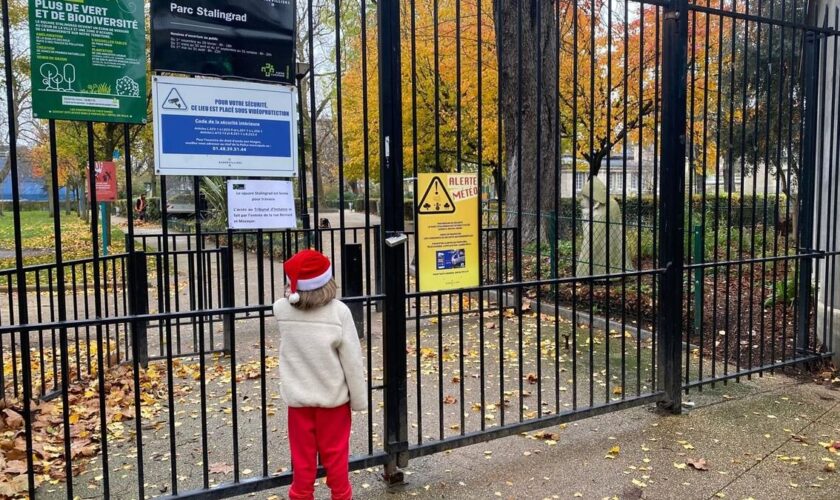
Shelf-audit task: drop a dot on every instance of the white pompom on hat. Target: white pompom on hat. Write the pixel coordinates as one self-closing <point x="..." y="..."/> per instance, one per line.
<point x="307" y="270"/>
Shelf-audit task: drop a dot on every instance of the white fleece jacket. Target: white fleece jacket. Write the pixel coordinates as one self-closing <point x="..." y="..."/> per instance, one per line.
<point x="321" y="362"/>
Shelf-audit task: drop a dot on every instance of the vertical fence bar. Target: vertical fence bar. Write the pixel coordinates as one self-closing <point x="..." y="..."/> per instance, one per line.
<point x="23" y="307"/>
<point x="97" y="300"/>
<point x="62" y="314"/>
<point x="227" y="297"/>
<point x="352" y="284"/>
<point x="393" y="317"/>
<point x="672" y="209"/>
<point x="806" y="188"/>
<point x="137" y="285"/>
<point x="138" y="290"/>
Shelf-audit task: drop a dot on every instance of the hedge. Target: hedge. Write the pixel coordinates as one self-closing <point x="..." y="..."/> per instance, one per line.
<point x="735" y="211"/>
<point x="29" y="205"/>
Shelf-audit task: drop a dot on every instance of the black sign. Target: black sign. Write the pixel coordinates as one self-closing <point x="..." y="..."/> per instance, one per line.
<point x="253" y="39"/>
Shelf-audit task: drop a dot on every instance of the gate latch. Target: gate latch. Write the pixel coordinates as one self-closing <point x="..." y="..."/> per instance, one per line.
<point x="396" y="239"/>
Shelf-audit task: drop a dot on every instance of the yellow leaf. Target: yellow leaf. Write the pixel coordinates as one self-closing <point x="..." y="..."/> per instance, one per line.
<point x="679" y="466"/>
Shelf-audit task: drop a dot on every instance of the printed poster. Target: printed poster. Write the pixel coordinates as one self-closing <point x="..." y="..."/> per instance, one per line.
<point x="224" y="128"/>
<point x="261" y="204"/>
<point x="447" y="231"/>
<point x="88" y="60"/>
<point x="106" y="181"/>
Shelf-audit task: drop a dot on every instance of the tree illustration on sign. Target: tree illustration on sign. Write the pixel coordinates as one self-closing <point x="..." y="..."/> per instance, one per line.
<point x="51" y="77"/>
<point x="69" y="75"/>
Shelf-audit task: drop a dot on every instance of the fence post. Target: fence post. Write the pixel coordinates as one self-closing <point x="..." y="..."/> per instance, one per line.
<point x="351" y="283"/>
<point x="672" y="203"/>
<point x="699" y="248"/>
<point x="806" y="191"/>
<point x="552" y="237"/>
<point x="377" y="261"/>
<point x="227" y="297"/>
<point x="393" y="223"/>
<point x="517" y="268"/>
<point x="138" y="302"/>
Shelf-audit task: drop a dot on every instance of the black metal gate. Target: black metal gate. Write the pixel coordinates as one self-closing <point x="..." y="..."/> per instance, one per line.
<point x="658" y="212"/>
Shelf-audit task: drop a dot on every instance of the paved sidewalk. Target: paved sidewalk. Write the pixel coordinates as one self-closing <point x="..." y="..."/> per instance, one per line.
<point x="759" y="439"/>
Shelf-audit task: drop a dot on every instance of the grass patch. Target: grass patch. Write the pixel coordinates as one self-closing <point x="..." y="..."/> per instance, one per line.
<point x="38" y="239"/>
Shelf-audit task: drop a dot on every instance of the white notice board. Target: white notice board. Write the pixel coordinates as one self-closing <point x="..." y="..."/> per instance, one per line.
<point x="224" y="128"/>
<point x="261" y="204"/>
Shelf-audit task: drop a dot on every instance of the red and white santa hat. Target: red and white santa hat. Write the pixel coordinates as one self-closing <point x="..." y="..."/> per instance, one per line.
<point x="307" y="270"/>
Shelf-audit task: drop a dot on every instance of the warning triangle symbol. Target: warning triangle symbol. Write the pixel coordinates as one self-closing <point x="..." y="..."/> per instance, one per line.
<point x="174" y="100"/>
<point x="436" y="200"/>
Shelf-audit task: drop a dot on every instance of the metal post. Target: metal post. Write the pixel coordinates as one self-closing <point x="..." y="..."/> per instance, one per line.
<point x="393" y="257"/>
<point x="304" y="205"/>
<point x="517" y="268"/>
<point x="138" y="302"/>
<point x="227" y="297"/>
<point x="552" y="238"/>
<point x="351" y="282"/>
<point x="377" y="264"/>
<point x="806" y="191"/>
<point x="103" y="210"/>
<point x="672" y="204"/>
<point x="699" y="245"/>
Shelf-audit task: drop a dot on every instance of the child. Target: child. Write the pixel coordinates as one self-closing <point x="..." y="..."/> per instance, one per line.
<point x="321" y="372"/>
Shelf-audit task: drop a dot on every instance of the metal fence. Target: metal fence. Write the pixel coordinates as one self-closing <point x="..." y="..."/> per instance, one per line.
<point x="164" y="353"/>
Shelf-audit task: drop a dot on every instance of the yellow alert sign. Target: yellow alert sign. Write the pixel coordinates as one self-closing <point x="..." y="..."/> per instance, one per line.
<point x="447" y="231"/>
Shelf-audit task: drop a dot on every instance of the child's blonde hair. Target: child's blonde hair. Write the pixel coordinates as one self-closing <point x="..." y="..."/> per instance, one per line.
<point x="314" y="299"/>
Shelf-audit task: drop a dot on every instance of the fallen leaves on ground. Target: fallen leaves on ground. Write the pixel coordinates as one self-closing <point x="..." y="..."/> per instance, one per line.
<point x="48" y="420"/>
<point x="545" y="435"/>
<point x="220" y="468"/>
<point x="698" y="464"/>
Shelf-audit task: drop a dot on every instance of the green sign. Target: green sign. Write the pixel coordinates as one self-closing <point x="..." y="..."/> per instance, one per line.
<point x="88" y="60"/>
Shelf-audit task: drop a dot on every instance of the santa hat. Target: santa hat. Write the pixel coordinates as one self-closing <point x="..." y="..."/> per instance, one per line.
<point x="307" y="270"/>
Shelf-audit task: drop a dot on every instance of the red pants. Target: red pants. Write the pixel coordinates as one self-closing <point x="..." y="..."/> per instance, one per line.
<point x="324" y="432"/>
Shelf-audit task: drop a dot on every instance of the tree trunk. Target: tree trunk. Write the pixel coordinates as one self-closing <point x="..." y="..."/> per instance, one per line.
<point x="83" y="204"/>
<point x="793" y="203"/>
<point x="596" y="162"/>
<point x="533" y="159"/>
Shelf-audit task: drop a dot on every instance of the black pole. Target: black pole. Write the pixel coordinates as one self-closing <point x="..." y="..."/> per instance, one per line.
<point x="393" y="257"/>
<point x="672" y="202"/>
<point x="304" y="206"/>
<point x="806" y="190"/>
<point x="20" y="273"/>
<point x="352" y="284"/>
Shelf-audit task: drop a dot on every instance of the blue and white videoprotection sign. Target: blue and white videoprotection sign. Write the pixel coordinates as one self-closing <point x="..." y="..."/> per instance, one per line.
<point x="224" y="128"/>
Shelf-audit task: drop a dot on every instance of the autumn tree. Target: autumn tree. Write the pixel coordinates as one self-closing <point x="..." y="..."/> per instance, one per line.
<point x="526" y="41"/>
<point x="763" y="85"/>
<point x="592" y="91"/>
<point x="441" y="98"/>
